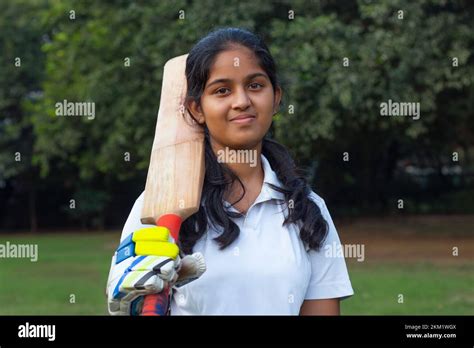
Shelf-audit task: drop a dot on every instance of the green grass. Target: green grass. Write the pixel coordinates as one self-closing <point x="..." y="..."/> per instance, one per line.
<point x="67" y="264"/>
<point x="79" y="264"/>
<point x="427" y="289"/>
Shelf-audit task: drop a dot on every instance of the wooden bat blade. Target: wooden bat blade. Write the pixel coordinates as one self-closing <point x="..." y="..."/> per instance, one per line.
<point x="176" y="171"/>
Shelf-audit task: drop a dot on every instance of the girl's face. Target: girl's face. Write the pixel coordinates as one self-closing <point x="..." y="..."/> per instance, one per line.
<point x="237" y="87"/>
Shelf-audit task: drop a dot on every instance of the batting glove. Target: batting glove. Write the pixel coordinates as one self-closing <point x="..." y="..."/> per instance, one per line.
<point x="145" y="263"/>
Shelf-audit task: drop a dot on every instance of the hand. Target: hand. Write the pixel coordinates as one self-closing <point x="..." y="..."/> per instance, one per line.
<point x="145" y="263"/>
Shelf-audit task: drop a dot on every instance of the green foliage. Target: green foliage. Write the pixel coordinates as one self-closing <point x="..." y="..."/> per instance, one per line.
<point x="87" y="202"/>
<point x="337" y="108"/>
<point x="21" y="70"/>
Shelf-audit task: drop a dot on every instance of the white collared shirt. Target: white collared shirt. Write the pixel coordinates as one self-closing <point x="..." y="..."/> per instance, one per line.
<point x="266" y="270"/>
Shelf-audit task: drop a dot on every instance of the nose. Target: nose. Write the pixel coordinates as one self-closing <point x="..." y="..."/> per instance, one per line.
<point x="241" y="99"/>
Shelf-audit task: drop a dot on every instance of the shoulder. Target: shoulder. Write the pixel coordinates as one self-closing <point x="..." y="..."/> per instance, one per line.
<point x="321" y="203"/>
<point x="140" y="198"/>
<point x="137" y="205"/>
<point x="317" y="199"/>
<point x="133" y="221"/>
<point x="332" y="234"/>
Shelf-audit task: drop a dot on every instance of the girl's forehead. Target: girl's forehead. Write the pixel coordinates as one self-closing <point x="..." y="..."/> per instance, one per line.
<point x="234" y="60"/>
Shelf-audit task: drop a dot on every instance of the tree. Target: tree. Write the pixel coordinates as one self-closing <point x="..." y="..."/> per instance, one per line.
<point x="21" y="71"/>
<point x="402" y="56"/>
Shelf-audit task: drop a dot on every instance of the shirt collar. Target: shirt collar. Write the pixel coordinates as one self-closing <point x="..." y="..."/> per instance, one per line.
<point x="267" y="193"/>
<point x="270" y="177"/>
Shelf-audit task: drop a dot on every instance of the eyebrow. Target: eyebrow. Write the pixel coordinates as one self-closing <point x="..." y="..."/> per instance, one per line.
<point x="249" y="77"/>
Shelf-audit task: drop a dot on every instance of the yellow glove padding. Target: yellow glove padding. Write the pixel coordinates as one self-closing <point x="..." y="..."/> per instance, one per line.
<point x="154" y="241"/>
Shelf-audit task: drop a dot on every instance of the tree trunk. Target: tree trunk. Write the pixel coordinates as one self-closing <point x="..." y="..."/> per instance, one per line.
<point x="32" y="207"/>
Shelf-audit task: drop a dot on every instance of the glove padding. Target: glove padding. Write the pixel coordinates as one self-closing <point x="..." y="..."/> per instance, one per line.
<point x="132" y="277"/>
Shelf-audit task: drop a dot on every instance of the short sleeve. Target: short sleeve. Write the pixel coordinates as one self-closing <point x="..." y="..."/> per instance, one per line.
<point x="329" y="276"/>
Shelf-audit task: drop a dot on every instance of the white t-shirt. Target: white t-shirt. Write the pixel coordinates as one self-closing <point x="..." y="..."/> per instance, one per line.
<point x="266" y="270"/>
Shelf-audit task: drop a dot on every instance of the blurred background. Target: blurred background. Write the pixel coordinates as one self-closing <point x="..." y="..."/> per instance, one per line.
<point x="402" y="187"/>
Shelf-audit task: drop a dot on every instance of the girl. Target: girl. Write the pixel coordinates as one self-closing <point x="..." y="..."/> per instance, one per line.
<point x="261" y="229"/>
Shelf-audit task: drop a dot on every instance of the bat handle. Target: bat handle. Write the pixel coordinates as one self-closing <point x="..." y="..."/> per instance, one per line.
<point x="158" y="304"/>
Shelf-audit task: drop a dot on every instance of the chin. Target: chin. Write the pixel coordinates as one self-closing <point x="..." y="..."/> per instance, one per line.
<point x="245" y="144"/>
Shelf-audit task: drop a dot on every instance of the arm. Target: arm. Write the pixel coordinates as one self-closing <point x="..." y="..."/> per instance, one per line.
<point x="320" y="307"/>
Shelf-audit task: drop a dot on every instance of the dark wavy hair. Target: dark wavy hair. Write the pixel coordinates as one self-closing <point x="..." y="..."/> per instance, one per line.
<point x="219" y="177"/>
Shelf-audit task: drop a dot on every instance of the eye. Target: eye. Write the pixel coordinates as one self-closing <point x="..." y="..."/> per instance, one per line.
<point x="220" y="89"/>
<point x="255" y="83"/>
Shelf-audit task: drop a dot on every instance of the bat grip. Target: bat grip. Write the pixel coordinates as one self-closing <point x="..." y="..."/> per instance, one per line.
<point x="157" y="304"/>
<point x="172" y="222"/>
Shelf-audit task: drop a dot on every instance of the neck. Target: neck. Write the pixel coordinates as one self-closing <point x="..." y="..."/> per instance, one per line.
<point x="246" y="164"/>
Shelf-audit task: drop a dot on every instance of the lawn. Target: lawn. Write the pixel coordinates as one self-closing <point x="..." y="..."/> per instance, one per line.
<point x="70" y="275"/>
<point x="68" y="264"/>
<point x="427" y="288"/>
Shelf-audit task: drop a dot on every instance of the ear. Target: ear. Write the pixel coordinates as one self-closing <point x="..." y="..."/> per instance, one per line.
<point x="277" y="99"/>
<point x="196" y="112"/>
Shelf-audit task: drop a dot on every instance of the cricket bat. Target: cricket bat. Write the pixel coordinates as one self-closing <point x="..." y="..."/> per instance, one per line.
<point x="176" y="171"/>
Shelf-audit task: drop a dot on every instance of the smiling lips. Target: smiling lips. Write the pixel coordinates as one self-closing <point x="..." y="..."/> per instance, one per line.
<point x="243" y="118"/>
